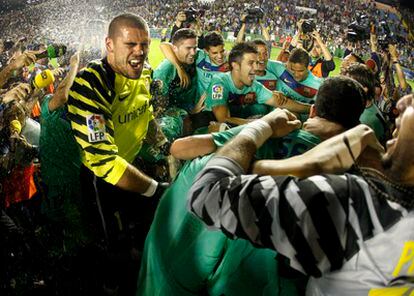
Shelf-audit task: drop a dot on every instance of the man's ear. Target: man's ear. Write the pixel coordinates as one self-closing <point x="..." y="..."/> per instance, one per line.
<point x="235" y="66"/>
<point x="109" y="44"/>
<point x="312" y="111"/>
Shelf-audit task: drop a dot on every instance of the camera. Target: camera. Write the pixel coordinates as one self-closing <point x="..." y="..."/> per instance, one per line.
<point x="254" y="14"/>
<point x="308" y="26"/>
<point x="385" y="36"/>
<point x="359" y="30"/>
<point x="8" y="44"/>
<point x="191" y="14"/>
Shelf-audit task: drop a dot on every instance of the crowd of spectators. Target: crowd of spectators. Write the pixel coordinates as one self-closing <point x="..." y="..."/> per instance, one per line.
<point x="81" y="26"/>
<point x="58" y="21"/>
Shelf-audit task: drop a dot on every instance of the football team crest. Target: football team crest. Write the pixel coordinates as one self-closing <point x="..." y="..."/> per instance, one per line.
<point x="217" y="92"/>
<point x="96" y="128"/>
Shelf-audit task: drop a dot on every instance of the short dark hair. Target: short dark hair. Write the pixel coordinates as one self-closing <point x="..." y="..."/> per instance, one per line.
<point x="128" y="20"/>
<point x="342" y="100"/>
<point x="259" y="42"/>
<point x="363" y="75"/>
<point x="213" y="39"/>
<point x="183" y="34"/>
<point x="237" y="52"/>
<point x="299" y="56"/>
<point x="357" y="57"/>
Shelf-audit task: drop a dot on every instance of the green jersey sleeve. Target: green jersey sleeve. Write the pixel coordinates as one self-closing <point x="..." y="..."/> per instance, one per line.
<point x="275" y="67"/>
<point x="263" y="94"/>
<point x="221" y="138"/>
<point x="166" y="73"/>
<point x="217" y="93"/>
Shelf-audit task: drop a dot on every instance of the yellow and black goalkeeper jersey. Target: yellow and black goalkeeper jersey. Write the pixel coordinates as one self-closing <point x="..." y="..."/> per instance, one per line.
<point x="109" y="115"/>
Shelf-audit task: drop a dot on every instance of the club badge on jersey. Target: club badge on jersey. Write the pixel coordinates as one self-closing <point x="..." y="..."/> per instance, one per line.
<point x="96" y="128"/>
<point x="217" y="92"/>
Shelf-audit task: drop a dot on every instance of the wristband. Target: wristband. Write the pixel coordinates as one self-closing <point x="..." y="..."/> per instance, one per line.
<point x="151" y="189"/>
<point x="258" y="131"/>
<point x="395" y="62"/>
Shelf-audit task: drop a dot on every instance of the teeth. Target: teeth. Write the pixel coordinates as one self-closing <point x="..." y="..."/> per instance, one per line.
<point x="134" y="62"/>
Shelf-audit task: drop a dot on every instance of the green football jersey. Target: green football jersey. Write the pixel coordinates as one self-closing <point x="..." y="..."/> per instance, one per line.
<point x="304" y="91"/>
<point x="269" y="80"/>
<point x="59" y="153"/>
<point x="243" y="103"/>
<point x="205" y="70"/>
<point x="183" y="257"/>
<point x="373" y="117"/>
<point x="295" y="143"/>
<point x="178" y="96"/>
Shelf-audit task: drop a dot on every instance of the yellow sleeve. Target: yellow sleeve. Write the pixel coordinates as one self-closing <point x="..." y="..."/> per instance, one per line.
<point x="91" y="121"/>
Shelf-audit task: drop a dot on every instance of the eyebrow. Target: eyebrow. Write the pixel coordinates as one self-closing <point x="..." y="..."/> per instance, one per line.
<point x="135" y="43"/>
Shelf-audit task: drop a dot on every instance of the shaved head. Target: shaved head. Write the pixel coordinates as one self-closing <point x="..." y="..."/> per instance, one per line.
<point x="126" y="20"/>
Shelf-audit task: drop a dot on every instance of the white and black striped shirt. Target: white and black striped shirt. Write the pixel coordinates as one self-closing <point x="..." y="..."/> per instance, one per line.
<point x="332" y="227"/>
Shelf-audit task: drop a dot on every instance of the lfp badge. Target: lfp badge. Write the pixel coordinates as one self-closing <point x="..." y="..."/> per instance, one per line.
<point x="217" y="92"/>
<point x="96" y="128"/>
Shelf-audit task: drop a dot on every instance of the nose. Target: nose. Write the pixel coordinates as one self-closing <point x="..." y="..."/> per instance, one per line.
<point x="296" y="76"/>
<point x="139" y="49"/>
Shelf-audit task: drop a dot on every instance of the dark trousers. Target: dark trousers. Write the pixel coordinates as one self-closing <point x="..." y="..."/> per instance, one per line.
<point x="120" y="221"/>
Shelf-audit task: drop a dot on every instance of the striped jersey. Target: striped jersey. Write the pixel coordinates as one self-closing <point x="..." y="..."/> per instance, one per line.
<point x="332" y="227"/>
<point x="109" y="115"/>
<point x="205" y="70"/>
<point x="303" y="91"/>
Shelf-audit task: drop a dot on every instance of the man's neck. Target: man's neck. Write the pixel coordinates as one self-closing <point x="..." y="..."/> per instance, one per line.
<point x="322" y="128"/>
<point x="236" y="81"/>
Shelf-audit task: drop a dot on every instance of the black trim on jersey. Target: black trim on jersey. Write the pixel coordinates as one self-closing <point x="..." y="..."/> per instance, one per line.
<point x="360" y="206"/>
<point x="317" y="202"/>
<point x="107" y="173"/>
<point x="264" y="219"/>
<point x="94" y="150"/>
<point x="386" y="214"/>
<point x="77" y="118"/>
<point x="107" y="74"/>
<point x="233" y="195"/>
<point x="351" y="245"/>
<point x="289" y="222"/>
<point x="90" y="93"/>
<point x="206" y="217"/>
<point x="103" y="161"/>
<point x="294" y="233"/>
<point x="195" y="196"/>
<point x="81" y="135"/>
<point x="86" y="107"/>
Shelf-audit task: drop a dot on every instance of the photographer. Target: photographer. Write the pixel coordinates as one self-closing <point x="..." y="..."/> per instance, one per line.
<point x="252" y="16"/>
<point x="179" y="23"/>
<point x="309" y="38"/>
<point x="189" y="18"/>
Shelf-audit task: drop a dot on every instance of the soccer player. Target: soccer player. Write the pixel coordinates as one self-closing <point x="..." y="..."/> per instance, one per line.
<point x="234" y="96"/>
<point x="111" y="115"/>
<point x="220" y="264"/>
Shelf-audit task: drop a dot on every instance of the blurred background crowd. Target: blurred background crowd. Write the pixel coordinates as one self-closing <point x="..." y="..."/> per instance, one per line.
<point x="27" y="241"/>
